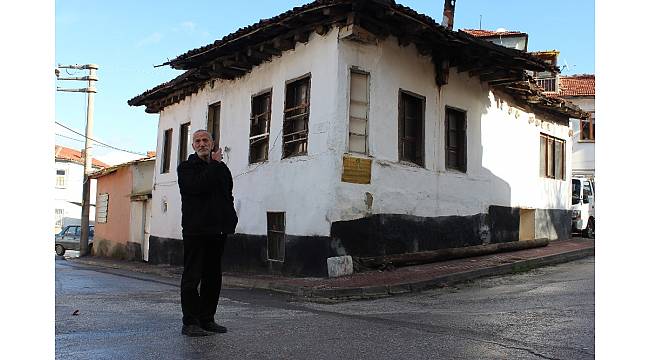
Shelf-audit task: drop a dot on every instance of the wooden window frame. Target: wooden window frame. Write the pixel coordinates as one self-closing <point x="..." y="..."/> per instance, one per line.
<point x="295" y="141"/>
<point x="461" y="141"/>
<point x="275" y="236"/>
<point x="184" y="141"/>
<point x="257" y="138"/>
<point x="591" y="136"/>
<point x="166" y="158"/>
<point x="61" y="179"/>
<point x="366" y="104"/>
<point x="101" y="211"/>
<point x="552" y="153"/>
<point x="402" y="139"/>
<point x="213" y="123"/>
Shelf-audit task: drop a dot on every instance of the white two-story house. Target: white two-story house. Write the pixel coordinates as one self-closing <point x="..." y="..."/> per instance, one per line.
<point x="363" y="129"/>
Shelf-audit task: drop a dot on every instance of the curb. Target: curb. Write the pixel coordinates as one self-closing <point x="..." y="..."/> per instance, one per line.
<point x="374" y="292"/>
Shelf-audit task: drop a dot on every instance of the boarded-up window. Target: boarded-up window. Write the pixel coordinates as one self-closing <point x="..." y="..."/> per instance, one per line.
<point x="552" y="161"/>
<point x="296" y="118"/>
<point x="167" y="151"/>
<point x="358" y="134"/>
<point x="275" y="235"/>
<point x="260" y="126"/>
<point x="214" y="120"/>
<point x="183" y="142"/>
<point x="101" y="213"/>
<point x="455" y="139"/>
<point x="411" y="128"/>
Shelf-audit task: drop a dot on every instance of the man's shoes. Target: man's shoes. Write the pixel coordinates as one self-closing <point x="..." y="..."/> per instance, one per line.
<point x="194" y="331"/>
<point x="214" y="327"/>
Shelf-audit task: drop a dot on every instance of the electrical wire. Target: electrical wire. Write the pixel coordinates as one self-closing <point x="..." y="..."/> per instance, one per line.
<point x="98" y="142"/>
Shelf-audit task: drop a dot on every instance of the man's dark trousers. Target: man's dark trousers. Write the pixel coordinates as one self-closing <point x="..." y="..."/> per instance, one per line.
<point x="202" y="264"/>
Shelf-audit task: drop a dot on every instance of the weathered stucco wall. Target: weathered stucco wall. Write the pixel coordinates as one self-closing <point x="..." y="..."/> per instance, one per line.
<point x="278" y="184"/>
<point x="502" y="143"/>
<point x="118" y="186"/>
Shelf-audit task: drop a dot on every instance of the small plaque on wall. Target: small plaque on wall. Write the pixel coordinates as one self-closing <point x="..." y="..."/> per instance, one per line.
<point x="356" y="170"/>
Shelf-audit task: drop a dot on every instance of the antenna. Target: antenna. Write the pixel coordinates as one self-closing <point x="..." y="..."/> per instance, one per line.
<point x="480" y="21"/>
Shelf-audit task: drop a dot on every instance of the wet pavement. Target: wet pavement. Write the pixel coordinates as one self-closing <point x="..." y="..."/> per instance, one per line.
<point x="117" y="313"/>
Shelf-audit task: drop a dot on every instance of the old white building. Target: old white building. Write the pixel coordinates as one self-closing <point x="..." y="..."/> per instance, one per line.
<point x="364" y="129"/>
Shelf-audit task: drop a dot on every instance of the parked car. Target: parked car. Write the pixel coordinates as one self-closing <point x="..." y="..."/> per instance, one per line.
<point x="69" y="238"/>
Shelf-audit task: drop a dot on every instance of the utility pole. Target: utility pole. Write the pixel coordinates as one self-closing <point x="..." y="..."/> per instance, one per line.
<point x="85" y="198"/>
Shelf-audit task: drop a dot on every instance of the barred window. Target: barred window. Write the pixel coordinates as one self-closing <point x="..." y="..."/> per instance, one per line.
<point x="296" y="118"/>
<point x="260" y="127"/>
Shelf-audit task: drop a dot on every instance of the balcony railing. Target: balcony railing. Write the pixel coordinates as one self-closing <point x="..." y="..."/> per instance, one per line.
<point x="548" y="84"/>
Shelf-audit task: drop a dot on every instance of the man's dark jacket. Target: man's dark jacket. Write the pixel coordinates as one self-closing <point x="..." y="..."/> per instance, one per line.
<point x="206" y="197"/>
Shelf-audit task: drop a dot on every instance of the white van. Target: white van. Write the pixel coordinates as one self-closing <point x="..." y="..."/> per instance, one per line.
<point x="582" y="206"/>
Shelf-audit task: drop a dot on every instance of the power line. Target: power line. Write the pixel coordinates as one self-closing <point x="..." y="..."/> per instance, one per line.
<point x="98" y="142"/>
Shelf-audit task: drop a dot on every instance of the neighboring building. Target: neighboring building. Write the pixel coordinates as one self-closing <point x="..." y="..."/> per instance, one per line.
<point x="363" y="129"/>
<point x="510" y="39"/>
<point x="68" y="187"/>
<point x="581" y="90"/>
<point x="124" y="210"/>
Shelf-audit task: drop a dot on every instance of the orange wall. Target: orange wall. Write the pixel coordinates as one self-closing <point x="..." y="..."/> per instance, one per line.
<point x="118" y="185"/>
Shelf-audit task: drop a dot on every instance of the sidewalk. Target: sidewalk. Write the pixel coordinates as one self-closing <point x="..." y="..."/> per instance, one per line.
<point x="375" y="284"/>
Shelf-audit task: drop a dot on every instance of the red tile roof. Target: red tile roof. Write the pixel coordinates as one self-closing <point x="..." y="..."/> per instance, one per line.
<point x="67" y="154"/>
<point x="489" y="33"/>
<point x="578" y="85"/>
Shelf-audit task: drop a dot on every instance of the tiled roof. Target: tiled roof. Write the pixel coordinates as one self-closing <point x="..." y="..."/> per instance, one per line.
<point x="235" y="54"/>
<point x="578" y="85"/>
<point x="67" y="154"/>
<point x="489" y="33"/>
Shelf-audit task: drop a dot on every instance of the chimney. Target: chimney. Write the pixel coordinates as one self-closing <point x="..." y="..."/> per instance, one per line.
<point x="448" y="14"/>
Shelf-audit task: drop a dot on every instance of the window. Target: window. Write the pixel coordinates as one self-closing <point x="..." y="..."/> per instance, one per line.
<point x="358" y="133"/>
<point x="183" y="141"/>
<point x="411" y="128"/>
<point x="552" y="157"/>
<point x="58" y="217"/>
<point x="101" y="212"/>
<point x="296" y="118"/>
<point x="586" y="189"/>
<point x="60" y="178"/>
<point x="275" y="235"/>
<point x="167" y="151"/>
<point x="260" y="126"/>
<point x="214" y="120"/>
<point x="588" y="128"/>
<point x="455" y="139"/>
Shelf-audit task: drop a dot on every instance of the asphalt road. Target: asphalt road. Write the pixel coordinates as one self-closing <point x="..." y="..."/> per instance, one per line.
<point x="546" y="313"/>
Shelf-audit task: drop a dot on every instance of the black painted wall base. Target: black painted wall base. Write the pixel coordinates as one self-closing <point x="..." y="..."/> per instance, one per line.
<point x="376" y="235"/>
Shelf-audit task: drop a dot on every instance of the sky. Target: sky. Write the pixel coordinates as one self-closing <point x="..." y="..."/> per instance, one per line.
<point x="126" y="39"/>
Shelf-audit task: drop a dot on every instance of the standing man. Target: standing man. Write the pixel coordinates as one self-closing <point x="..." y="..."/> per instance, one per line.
<point x="208" y="215"/>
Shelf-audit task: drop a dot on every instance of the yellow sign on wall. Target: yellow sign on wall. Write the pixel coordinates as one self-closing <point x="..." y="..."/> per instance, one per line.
<point x="356" y="170"/>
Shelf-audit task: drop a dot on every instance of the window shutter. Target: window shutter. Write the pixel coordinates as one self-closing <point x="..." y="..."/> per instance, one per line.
<point x="462" y="142"/>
